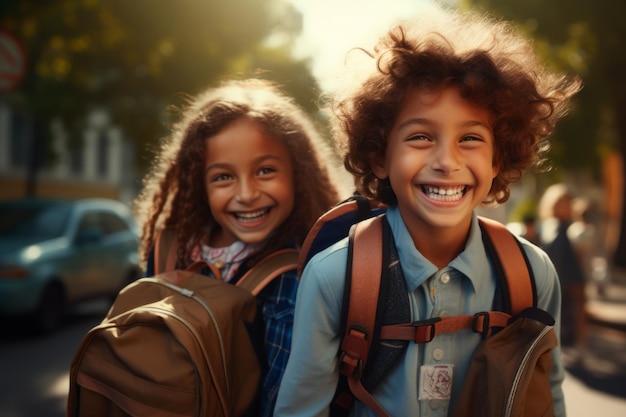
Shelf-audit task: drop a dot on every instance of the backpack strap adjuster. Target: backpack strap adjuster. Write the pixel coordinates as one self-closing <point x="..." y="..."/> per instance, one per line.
<point x="354" y="349"/>
<point x="480" y="324"/>
<point x="425" y="330"/>
<point x="483" y="322"/>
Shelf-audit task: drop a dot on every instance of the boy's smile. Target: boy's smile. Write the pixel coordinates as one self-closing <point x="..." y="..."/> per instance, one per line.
<point x="443" y="193"/>
<point x="439" y="160"/>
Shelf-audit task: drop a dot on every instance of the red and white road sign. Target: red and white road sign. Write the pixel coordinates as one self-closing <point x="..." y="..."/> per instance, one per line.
<point x="12" y="62"/>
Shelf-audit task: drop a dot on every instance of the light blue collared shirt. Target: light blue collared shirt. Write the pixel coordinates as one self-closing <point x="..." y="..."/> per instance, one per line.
<point x="465" y="286"/>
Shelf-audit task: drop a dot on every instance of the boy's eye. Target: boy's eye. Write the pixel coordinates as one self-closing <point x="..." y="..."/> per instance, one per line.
<point x="471" y="138"/>
<point x="418" y="137"/>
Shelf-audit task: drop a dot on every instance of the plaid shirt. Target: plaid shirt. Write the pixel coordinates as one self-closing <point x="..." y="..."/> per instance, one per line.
<point x="277" y="303"/>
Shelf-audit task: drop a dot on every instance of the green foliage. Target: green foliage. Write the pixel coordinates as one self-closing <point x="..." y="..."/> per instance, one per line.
<point x="525" y="208"/>
<point x="138" y="57"/>
<point x="584" y="37"/>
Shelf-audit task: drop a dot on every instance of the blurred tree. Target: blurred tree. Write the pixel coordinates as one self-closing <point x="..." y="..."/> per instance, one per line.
<point x="585" y="37"/>
<point x="135" y="58"/>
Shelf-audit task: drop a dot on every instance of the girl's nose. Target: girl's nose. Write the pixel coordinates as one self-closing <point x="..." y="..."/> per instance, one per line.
<point x="247" y="191"/>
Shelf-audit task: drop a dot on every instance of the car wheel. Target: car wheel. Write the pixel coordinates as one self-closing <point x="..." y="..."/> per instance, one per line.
<point x="50" y="311"/>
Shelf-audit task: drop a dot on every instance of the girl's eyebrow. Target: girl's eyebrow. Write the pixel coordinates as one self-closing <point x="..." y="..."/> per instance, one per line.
<point x="217" y="165"/>
<point x="257" y="160"/>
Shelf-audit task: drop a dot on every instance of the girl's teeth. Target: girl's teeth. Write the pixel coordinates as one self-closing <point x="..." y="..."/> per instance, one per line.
<point x="251" y="216"/>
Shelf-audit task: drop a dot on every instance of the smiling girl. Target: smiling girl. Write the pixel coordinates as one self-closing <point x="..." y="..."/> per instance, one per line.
<point x="452" y="109"/>
<point x="243" y="174"/>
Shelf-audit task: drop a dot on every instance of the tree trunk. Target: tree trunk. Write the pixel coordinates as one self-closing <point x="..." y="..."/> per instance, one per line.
<point x="35" y="157"/>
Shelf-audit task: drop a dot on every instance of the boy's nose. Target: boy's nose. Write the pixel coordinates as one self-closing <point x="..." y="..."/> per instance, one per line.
<point x="446" y="159"/>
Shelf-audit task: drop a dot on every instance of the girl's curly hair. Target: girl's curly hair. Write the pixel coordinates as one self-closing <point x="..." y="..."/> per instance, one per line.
<point x="174" y="193"/>
<point x="494" y="68"/>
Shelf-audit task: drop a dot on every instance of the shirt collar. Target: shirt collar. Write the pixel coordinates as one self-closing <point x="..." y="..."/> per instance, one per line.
<point x="472" y="262"/>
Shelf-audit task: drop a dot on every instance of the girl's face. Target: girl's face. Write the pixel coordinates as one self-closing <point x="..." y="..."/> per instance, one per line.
<point x="249" y="183"/>
<point x="439" y="160"/>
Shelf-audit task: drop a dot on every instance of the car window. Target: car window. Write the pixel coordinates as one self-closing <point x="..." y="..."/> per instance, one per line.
<point x="40" y="221"/>
<point x="111" y="223"/>
<point x="89" y="222"/>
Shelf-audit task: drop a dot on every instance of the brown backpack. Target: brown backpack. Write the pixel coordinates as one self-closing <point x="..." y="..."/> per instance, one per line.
<point x="509" y="371"/>
<point x="177" y="344"/>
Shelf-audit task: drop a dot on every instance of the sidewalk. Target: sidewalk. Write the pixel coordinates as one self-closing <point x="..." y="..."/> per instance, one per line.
<point x="607" y="306"/>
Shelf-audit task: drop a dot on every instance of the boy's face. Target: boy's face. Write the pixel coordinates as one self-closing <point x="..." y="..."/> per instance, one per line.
<point x="439" y="159"/>
<point x="249" y="183"/>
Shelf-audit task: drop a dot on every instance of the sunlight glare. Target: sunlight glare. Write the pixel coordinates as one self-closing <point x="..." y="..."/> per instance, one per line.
<point x="332" y="27"/>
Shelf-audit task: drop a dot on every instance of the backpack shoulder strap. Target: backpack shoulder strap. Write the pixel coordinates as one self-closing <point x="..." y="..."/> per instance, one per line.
<point x="165" y="254"/>
<point x="335" y="223"/>
<point x="512" y="264"/>
<point x="270" y="267"/>
<point x="365" y="264"/>
<point x="165" y="251"/>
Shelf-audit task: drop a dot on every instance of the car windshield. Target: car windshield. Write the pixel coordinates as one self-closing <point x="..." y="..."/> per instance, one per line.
<point x="46" y="221"/>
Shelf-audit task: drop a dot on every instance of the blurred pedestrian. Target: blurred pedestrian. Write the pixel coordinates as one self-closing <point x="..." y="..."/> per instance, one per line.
<point x="585" y="236"/>
<point x="555" y="211"/>
<point x="530" y="231"/>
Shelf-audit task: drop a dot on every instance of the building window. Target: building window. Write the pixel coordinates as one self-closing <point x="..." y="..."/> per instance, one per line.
<point x="77" y="160"/>
<point x="102" y="155"/>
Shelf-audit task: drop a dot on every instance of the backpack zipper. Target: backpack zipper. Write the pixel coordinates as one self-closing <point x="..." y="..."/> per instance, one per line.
<point x="191" y="294"/>
<point x="521" y="370"/>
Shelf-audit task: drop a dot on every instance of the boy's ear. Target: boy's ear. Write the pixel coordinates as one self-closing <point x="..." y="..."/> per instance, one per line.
<point x="495" y="170"/>
<point x="379" y="168"/>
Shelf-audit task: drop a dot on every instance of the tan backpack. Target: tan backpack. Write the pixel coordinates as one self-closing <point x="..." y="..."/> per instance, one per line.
<point x="177" y="344"/>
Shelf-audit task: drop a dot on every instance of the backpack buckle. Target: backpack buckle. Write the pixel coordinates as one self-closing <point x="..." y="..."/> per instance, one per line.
<point x="480" y="324"/>
<point x="354" y="348"/>
<point x="425" y="330"/>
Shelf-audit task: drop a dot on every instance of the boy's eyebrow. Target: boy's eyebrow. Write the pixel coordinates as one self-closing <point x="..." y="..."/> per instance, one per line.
<point x="427" y="122"/>
<point x="414" y="121"/>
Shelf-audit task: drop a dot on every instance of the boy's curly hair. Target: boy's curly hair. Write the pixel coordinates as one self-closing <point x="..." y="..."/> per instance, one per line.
<point x="494" y="68"/>
<point x="174" y="193"/>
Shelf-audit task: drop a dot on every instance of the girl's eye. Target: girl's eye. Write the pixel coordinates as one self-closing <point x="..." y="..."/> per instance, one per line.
<point x="266" y="170"/>
<point x="221" y="177"/>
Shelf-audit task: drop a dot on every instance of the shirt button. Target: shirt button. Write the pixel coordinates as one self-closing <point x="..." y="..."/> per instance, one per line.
<point x="438" y="354"/>
<point x="433" y="404"/>
<point x="445" y="278"/>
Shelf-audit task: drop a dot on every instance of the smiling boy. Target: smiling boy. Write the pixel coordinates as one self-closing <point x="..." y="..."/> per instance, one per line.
<point x="453" y="108"/>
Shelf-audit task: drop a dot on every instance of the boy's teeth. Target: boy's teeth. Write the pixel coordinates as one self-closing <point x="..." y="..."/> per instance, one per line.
<point x="445" y="194"/>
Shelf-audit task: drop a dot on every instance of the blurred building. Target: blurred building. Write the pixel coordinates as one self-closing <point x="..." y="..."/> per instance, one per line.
<point x="99" y="164"/>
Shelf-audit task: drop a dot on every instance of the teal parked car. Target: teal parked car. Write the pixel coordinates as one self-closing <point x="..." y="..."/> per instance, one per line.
<point x="55" y="253"/>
